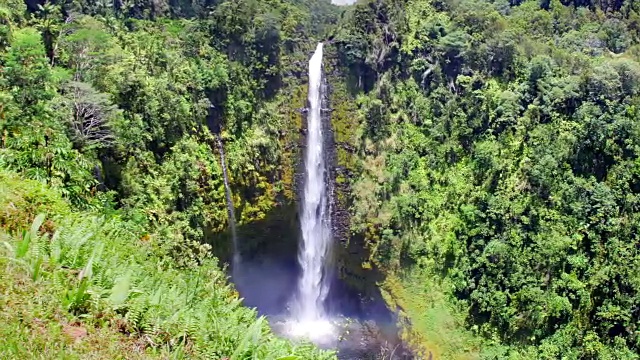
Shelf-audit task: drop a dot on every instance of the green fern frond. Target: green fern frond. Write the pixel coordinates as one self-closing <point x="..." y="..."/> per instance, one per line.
<point x="8" y="246"/>
<point x="55" y="248"/>
<point x="252" y="336"/>
<point x="87" y="271"/>
<point x="36" y="268"/>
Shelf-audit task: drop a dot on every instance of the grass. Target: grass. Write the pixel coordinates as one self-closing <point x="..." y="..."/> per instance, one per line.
<point x="432" y="323"/>
<point x="33" y="325"/>
<point x="83" y="285"/>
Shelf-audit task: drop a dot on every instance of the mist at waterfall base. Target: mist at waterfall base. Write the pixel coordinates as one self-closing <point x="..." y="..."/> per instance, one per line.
<point x="304" y="299"/>
<point x="359" y="328"/>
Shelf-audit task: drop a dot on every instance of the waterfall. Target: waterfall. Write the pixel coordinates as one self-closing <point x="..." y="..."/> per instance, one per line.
<point x="230" y="211"/>
<point x="308" y="307"/>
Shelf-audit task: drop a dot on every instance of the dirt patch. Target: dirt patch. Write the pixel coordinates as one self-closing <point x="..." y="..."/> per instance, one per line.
<point x="75" y="332"/>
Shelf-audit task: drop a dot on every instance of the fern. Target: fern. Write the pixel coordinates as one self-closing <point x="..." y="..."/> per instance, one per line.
<point x="252" y="336"/>
<point x="76" y="246"/>
<point x="35" y="269"/>
<point x="55" y="249"/>
<point x="87" y="271"/>
<point x="77" y="300"/>
<point x="23" y="246"/>
<point x="97" y="266"/>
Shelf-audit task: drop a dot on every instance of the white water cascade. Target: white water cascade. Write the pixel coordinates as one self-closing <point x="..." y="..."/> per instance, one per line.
<point x="230" y="212"/>
<point x="308" y="307"/>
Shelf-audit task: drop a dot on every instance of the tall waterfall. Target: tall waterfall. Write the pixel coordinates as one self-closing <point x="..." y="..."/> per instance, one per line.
<point x="230" y="210"/>
<point x="315" y="219"/>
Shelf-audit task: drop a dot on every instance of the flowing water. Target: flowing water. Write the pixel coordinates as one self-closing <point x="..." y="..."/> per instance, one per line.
<point x="230" y="209"/>
<point x="316" y="234"/>
<point x="297" y="297"/>
<point x="308" y="304"/>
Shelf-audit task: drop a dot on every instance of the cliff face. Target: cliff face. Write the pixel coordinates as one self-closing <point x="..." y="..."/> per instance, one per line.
<point x="350" y="253"/>
<point x="275" y="233"/>
<point x="266" y="201"/>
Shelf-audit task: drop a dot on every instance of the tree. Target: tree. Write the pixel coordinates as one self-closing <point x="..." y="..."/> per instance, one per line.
<point x="92" y="115"/>
<point x="27" y="74"/>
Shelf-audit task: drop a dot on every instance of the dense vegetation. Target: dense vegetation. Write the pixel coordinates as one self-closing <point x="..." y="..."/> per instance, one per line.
<point x="499" y="175"/>
<point x="115" y="106"/>
<point x="79" y="285"/>
<point x="487" y="154"/>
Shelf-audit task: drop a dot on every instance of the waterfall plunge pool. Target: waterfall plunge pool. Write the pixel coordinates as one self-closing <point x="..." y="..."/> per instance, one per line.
<point x="358" y="328"/>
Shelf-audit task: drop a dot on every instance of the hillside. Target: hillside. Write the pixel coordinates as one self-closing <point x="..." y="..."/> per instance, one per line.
<point x="86" y="285"/>
<point x="497" y="180"/>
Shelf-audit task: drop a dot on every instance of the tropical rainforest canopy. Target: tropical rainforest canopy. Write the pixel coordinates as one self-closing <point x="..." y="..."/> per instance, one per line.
<point x="487" y="163"/>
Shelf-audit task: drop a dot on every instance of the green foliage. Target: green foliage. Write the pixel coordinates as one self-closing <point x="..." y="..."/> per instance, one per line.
<point x="34" y="140"/>
<point x="116" y="105"/>
<point x="103" y="273"/>
<point x="491" y="149"/>
<point x="498" y="147"/>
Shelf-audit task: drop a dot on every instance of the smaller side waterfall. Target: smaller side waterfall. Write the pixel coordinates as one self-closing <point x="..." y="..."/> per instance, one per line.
<point x="230" y="208"/>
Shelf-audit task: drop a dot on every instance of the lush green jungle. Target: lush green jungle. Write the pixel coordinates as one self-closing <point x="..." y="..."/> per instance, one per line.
<point x="487" y="171"/>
